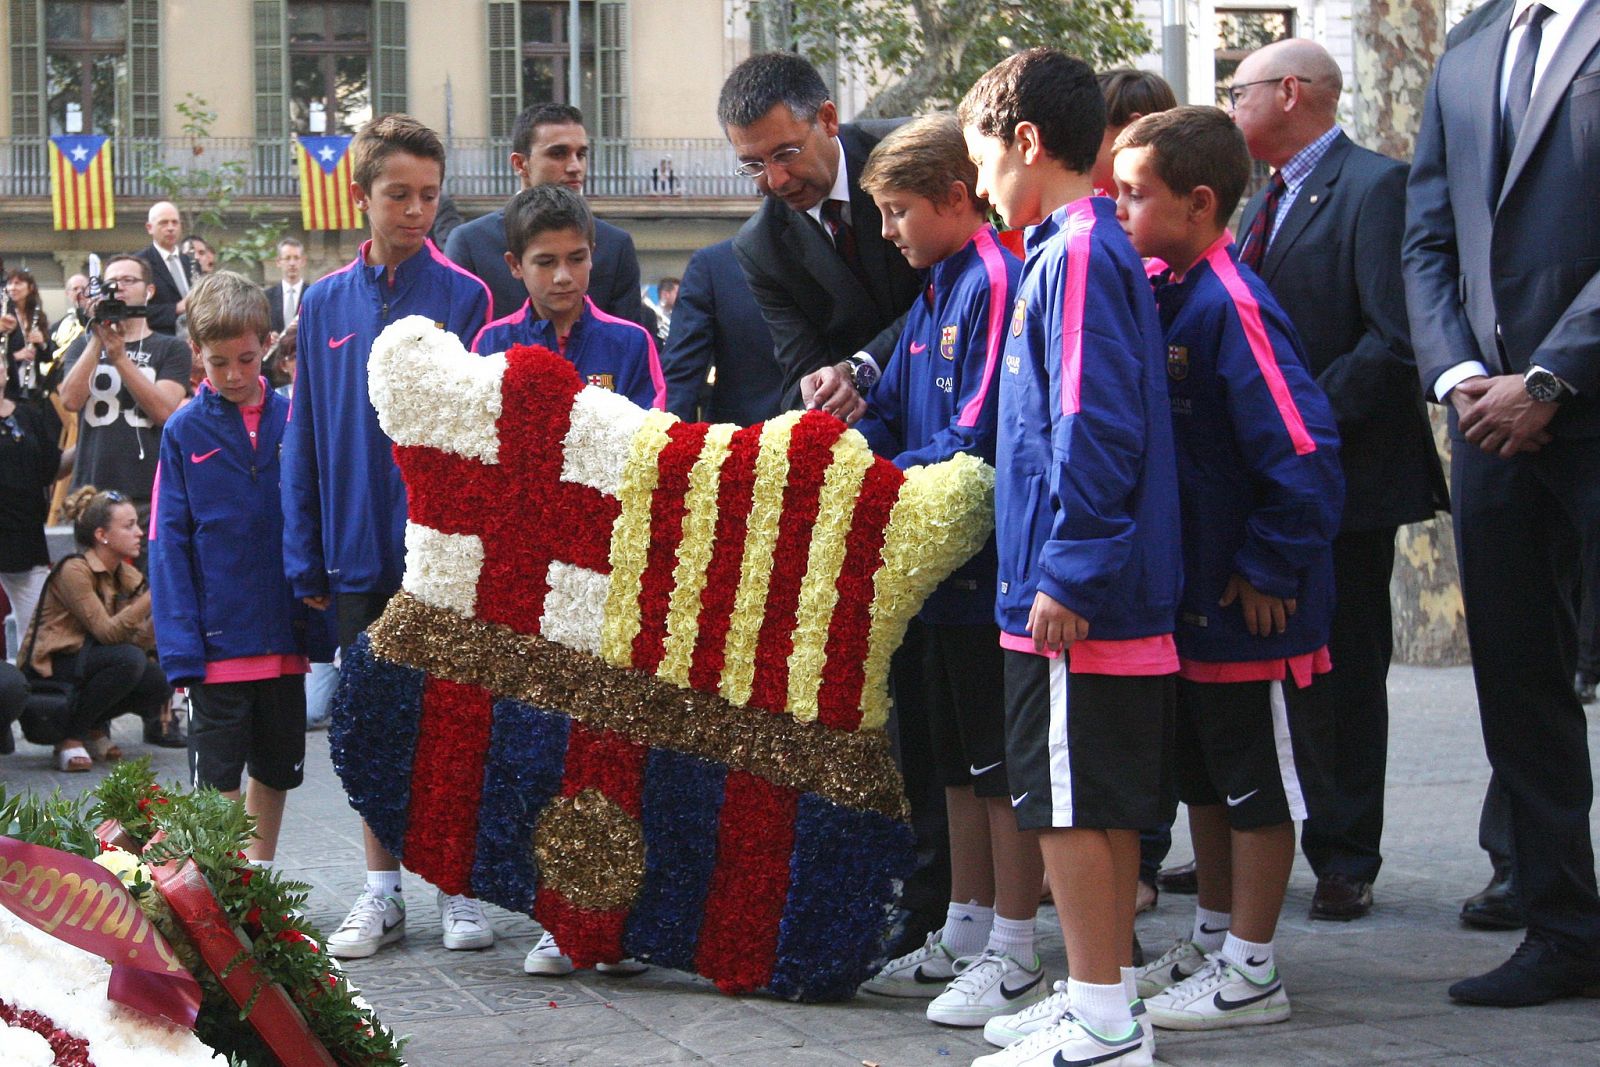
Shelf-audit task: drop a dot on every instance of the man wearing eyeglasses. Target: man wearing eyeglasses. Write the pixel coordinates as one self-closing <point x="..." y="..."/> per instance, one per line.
<point x="830" y="287"/>
<point x="1324" y="234"/>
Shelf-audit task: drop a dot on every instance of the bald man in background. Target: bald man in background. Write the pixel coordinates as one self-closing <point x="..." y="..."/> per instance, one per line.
<point x="172" y="272"/>
<point x="1324" y="235"/>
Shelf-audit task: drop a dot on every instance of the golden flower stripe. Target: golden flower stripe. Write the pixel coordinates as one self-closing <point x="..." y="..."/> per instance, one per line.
<point x="819" y="590"/>
<point x="630" y="538"/>
<point x="852" y="768"/>
<point x="755" y="571"/>
<point x="942" y="517"/>
<point x="694" y="555"/>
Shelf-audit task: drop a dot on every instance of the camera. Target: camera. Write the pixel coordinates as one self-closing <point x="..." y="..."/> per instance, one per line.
<point x="110" y="308"/>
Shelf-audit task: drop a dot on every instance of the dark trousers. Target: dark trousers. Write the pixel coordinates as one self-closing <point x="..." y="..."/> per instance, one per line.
<point x="1346" y="827"/>
<point x="1589" y="612"/>
<point x="927" y="892"/>
<point x="111" y="680"/>
<point x="1518" y="524"/>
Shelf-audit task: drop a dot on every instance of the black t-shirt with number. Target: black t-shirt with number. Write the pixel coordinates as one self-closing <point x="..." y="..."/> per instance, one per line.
<point x="118" y="444"/>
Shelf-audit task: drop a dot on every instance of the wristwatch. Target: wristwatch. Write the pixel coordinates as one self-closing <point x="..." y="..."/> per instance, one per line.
<point x="863" y="373"/>
<point x="1544" y="386"/>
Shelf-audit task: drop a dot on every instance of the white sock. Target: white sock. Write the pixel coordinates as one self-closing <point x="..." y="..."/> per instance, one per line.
<point x="1130" y="984"/>
<point x="1014" y="938"/>
<point x="1210" y="929"/>
<point x="1104" y="1008"/>
<point x="265" y="865"/>
<point x="966" y="929"/>
<point x="1252" y="959"/>
<point x="383" y="883"/>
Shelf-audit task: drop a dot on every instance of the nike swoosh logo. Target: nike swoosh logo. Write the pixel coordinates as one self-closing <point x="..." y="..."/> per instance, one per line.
<point x="1204" y="929"/>
<point x="1234" y="802"/>
<point x="1248" y="962"/>
<point x="340" y="342"/>
<point x="390" y="926"/>
<point x="195" y="457"/>
<point x="1016" y="801"/>
<point x="928" y="979"/>
<point x="1177" y="972"/>
<point x="1013" y="994"/>
<point x="975" y="771"/>
<point x="918" y="349"/>
<point x="1224" y="1004"/>
<point x="1120" y="1050"/>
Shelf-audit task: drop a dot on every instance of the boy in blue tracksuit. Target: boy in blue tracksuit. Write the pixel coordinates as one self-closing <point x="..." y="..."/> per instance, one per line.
<point x="550" y="248"/>
<point x="344" y="501"/>
<point x="227" y="624"/>
<point x="1261" y="491"/>
<point x="938" y="396"/>
<point x="1086" y="521"/>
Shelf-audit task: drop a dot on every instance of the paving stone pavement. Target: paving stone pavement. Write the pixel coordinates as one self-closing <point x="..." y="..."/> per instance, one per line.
<point x="1370" y="992"/>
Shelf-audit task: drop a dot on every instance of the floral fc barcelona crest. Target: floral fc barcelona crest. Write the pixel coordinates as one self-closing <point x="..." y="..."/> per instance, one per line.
<point x="947" y="341"/>
<point x="1177" y="362"/>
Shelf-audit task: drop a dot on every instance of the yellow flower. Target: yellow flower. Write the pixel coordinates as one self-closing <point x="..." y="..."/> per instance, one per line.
<point x="630" y="539"/>
<point x="694" y="555"/>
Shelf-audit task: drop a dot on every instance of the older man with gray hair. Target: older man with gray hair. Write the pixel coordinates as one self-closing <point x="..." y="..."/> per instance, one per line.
<point x="171" y="270"/>
<point x="1324" y="234"/>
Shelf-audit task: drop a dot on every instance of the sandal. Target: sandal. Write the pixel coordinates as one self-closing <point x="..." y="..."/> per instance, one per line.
<point x="73" y="760"/>
<point x="102" y="748"/>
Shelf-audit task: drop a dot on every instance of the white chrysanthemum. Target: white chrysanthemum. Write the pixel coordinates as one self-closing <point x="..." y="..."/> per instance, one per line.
<point x="601" y="432"/>
<point x="21" y="1047"/>
<point x="574" y="608"/>
<point x="431" y="392"/>
<point x="442" y="569"/>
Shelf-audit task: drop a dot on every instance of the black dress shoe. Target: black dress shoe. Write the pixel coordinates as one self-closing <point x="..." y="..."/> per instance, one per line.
<point x="1180" y="879"/>
<point x="1537" y="972"/>
<point x="1498" y="907"/>
<point x="165" y="733"/>
<point x="1340" y="898"/>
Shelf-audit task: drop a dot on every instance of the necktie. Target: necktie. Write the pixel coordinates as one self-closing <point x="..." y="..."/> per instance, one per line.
<point x="291" y="302"/>
<point x="844" y="238"/>
<point x="1520" y="91"/>
<point x="1255" y="241"/>
<point x="179" y="278"/>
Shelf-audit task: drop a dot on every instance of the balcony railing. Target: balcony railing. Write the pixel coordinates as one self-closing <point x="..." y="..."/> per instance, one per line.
<point x="639" y="167"/>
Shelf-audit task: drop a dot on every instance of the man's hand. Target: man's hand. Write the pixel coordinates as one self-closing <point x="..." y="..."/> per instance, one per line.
<point x="1054" y="626"/>
<point x="318" y="602"/>
<point x="1264" y="615"/>
<point x="1501" y="417"/>
<point x="112" y="346"/>
<point x="832" y="390"/>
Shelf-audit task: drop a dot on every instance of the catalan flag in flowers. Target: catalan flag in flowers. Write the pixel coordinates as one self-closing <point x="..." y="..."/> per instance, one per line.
<point x="80" y="183"/>
<point x="636" y="681"/>
<point x="325" y="201"/>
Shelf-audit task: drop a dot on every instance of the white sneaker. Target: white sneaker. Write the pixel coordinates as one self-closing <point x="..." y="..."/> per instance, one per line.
<point x="1171" y="967"/>
<point x="547" y="958"/>
<point x="1003" y="1030"/>
<point x="922" y="974"/>
<point x="1070" y="1041"/>
<point x="374" y="921"/>
<point x="986" y="986"/>
<point x="1219" y="996"/>
<point x="466" y="926"/>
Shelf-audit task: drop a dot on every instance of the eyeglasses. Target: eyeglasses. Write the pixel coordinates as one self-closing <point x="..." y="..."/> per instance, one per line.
<point x="116" y="283"/>
<point x="783" y="157"/>
<point x="1237" y="89"/>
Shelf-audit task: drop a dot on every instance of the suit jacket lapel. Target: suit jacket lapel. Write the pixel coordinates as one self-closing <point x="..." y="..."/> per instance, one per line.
<point x="1581" y="39"/>
<point x="1480" y="57"/>
<point x="817" y="253"/>
<point x="868" y="227"/>
<point x="1313" y="196"/>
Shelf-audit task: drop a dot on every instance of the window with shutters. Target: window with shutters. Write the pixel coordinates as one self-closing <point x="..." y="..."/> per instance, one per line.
<point x="546" y="54"/>
<point x="86" y="65"/>
<point x="330" y="45"/>
<point x="530" y="56"/>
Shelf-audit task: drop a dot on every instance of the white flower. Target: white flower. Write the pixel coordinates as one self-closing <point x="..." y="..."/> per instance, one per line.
<point x="599" y="438"/>
<point x="442" y="569"/>
<point x="429" y="391"/>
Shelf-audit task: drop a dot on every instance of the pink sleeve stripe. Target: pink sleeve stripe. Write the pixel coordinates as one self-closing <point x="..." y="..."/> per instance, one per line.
<point x="658" y="377"/>
<point x="1256" y="332"/>
<point x="445" y="261"/>
<point x="509" y="320"/>
<point x="994" y="264"/>
<point x="1079" y="226"/>
<point x="155" y="500"/>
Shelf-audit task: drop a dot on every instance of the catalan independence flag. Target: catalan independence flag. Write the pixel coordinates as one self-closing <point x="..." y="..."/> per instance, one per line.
<point x="325" y="202"/>
<point x="80" y="182"/>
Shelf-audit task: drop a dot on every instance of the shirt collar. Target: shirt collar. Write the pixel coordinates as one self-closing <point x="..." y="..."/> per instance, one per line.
<point x="1302" y="163"/>
<point x="404" y="271"/>
<point x="947" y="270"/>
<point x="163" y="253"/>
<point x="1557" y="7"/>
<point x="840" y="190"/>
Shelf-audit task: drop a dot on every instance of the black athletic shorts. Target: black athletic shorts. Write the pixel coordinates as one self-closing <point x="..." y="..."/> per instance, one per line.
<point x="356" y="612"/>
<point x="259" y="724"/>
<point x="957" y="675"/>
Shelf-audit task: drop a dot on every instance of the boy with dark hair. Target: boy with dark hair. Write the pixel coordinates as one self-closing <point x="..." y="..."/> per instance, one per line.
<point x="938" y="397"/>
<point x="1087" y="529"/>
<point x="344" y="501"/>
<point x="1260" y="490"/>
<point x="550" y="248"/>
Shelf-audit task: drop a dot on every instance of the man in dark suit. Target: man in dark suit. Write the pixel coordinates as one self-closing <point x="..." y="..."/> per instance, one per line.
<point x="283" y="299"/>
<point x="1502" y="271"/>
<point x="549" y="146"/>
<point x="1330" y="252"/>
<point x="830" y="287"/>
<point x="171" y="271"/>
<point x="716" y="323"/>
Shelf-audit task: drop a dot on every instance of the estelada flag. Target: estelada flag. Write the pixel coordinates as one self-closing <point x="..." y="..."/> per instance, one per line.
<point x="325" y="202"/>
<point x="80" y="182"/>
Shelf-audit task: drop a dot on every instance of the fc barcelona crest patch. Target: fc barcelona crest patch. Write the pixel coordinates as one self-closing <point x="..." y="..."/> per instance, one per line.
<point x="1177" y="362"/>
<point x="947" y="341"/>
<point x="1019" y="316"/>
<point x="602" y="381"/>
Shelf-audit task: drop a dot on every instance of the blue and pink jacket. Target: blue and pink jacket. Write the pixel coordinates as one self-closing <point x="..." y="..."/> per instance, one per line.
<point x="608" y="352"/>
<point x="939" y="395"/>
<point x="1086" y="498"/>
<point x="344" y="502"/>
<point x="1259" y="480"/>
